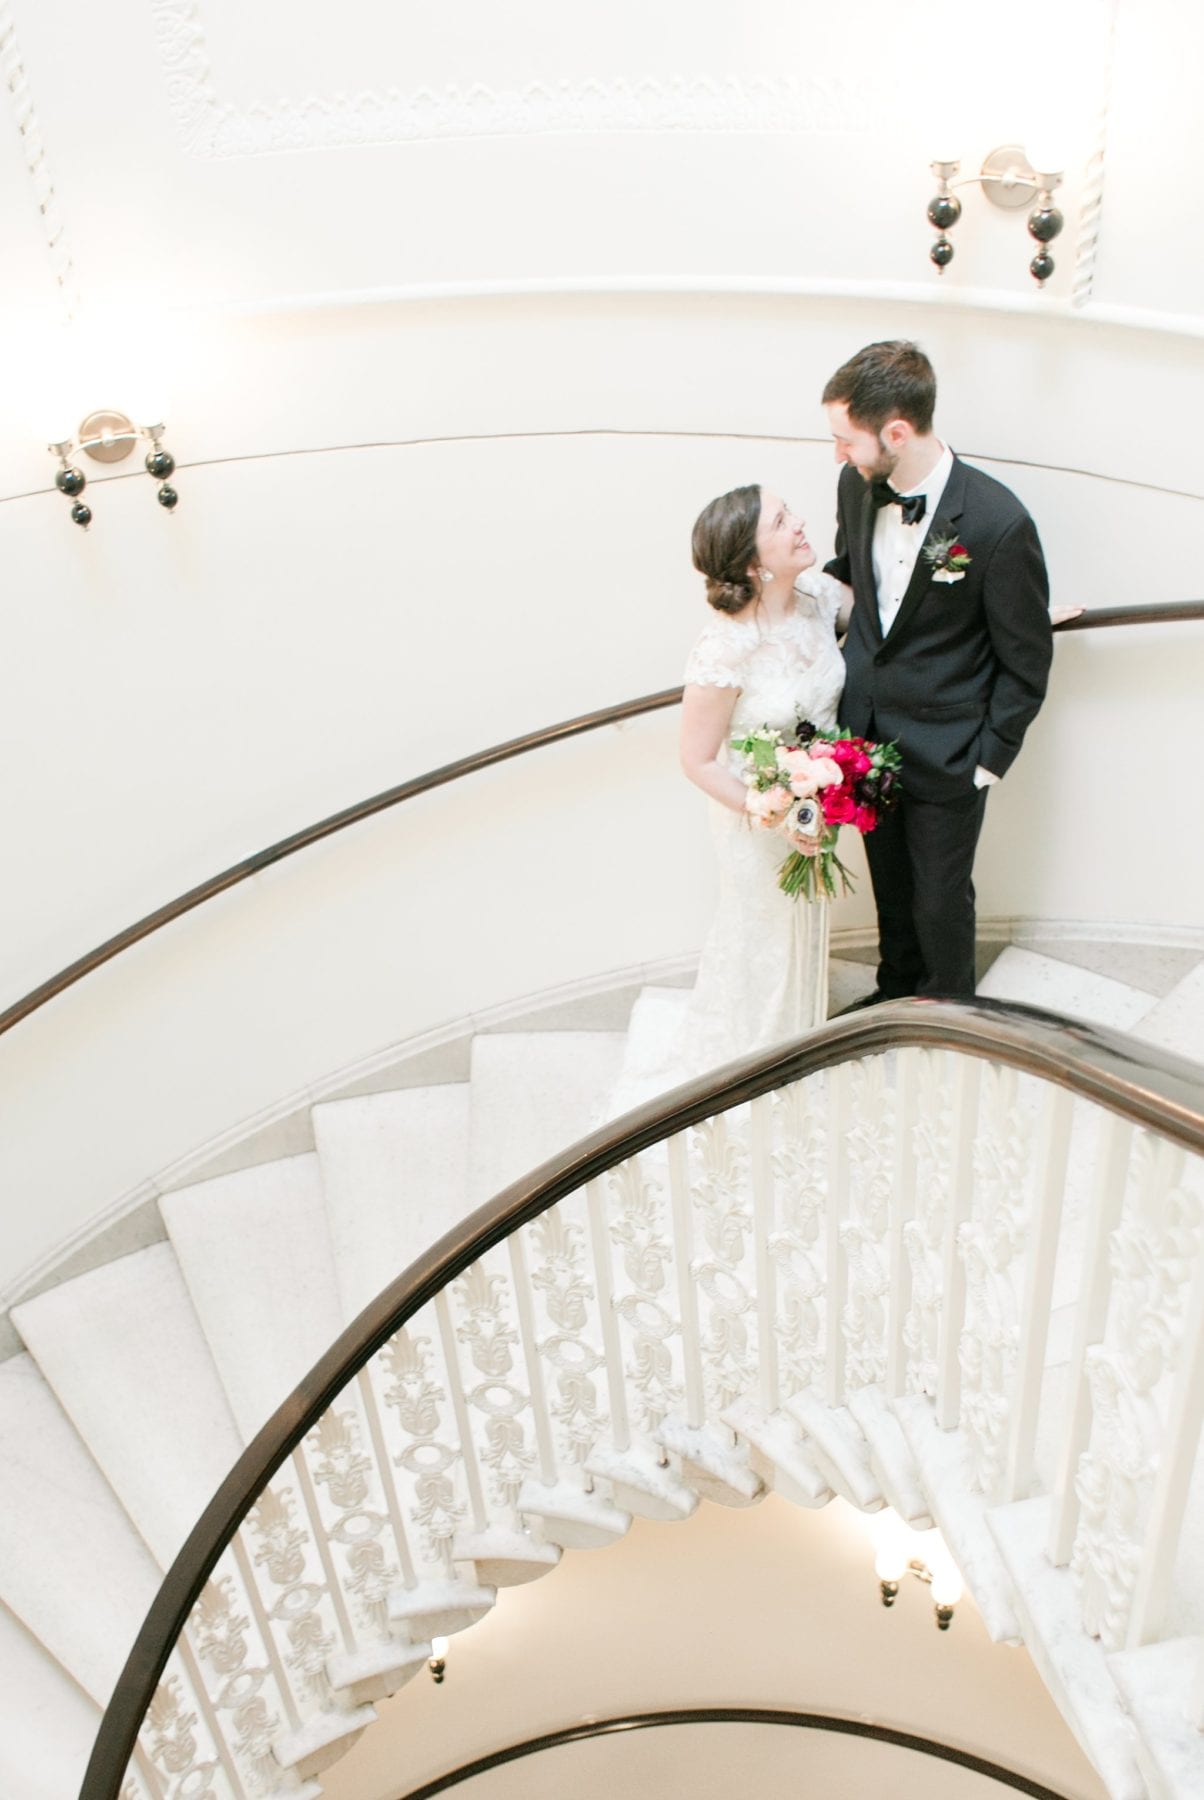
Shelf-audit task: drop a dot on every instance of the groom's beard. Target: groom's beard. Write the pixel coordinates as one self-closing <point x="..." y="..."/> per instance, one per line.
<point x="883" y="468"/>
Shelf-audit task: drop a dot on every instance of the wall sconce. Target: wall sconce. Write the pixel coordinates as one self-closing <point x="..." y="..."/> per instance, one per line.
<point x="108" y="437"/>
<point x="437" y="1662"/>
<point x="896" y="1546"/>
<point x="1008" y="179"/>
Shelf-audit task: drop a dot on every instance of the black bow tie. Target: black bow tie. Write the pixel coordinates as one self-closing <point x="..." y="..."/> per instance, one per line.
<point x="912" y="506"/>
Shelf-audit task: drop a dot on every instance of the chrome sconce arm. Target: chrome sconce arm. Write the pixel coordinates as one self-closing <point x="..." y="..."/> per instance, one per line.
<point x="1008" y="180"/>
<point x="107" y="437"/>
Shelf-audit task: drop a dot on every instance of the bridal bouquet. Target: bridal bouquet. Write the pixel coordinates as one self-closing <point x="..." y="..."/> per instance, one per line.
<point x="810" y="786"/>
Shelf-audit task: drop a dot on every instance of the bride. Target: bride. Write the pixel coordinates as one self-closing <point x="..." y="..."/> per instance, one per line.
<point x="768" y="657"/>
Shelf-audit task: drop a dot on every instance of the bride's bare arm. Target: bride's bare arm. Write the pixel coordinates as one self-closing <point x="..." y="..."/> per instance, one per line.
<point x="706" y="721"/>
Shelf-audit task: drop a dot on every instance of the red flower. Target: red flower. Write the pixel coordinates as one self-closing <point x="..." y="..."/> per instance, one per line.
<point x="865" y="818"/>
<point x="839" y="806"/>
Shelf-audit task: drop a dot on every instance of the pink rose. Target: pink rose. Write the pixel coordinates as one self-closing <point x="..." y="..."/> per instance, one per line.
<point x="768" y="807"/>
<point x="826" y="771"/>
<point x="865" y="818"/>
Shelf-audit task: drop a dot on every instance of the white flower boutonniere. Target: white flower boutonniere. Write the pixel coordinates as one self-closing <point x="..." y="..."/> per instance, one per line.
<point x="947" y="558"/>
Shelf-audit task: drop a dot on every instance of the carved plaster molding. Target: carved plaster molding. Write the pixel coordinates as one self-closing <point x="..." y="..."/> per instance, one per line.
<point x="16" y="80"/>
<point x="212" y="129"/>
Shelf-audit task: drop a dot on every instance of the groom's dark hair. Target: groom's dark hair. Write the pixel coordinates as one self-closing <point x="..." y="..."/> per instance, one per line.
<point x="892" y="380"/>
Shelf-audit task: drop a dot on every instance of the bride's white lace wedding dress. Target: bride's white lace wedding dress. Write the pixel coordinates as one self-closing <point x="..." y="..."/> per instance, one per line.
<point x="763" y="974"/>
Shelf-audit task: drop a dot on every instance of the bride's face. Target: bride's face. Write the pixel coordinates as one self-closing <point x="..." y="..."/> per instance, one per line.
<point x="782" y="545"/>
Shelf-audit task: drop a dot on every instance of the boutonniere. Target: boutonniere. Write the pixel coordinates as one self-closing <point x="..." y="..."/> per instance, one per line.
<point x="947" y="558"/>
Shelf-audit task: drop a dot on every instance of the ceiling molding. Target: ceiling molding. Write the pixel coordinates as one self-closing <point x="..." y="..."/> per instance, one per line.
<point x="211" y="128"/>
<point x="15" y="78"/>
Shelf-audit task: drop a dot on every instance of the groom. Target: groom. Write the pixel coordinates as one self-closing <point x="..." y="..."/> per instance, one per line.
<point x="948" y="651"/>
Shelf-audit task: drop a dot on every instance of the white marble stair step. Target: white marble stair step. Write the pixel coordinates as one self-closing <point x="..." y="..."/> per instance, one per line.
<point x="124" y="1352"/>
<point x="1177" y="1021"/>
<point x="395" y="1175"/>
<point x="1073" y="1666"/>
<point x="72" y="1567"/>
<point x="838" y="1448"/>
<point x="47" y="1723"/>
<point x="849" y="981"/>
<point x="943" y="1464"/>
<point x="1159" y="1687"/>
<point x="1035" y="980"/>
<point x="778" y="1455"/>
<point x="267" y="1328"/>
<point x="534" y="1093"/>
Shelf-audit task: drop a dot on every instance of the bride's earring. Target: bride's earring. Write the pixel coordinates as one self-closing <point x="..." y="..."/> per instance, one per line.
<point x="765" y="574"/>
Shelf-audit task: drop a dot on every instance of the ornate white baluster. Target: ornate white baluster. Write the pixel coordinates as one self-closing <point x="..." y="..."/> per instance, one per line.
<point x="865" y="1231"/>
<point x="836" y="1090"/>
<point x="385" y="1471"/>
<point x="1045" y="1218"/>
<point x="761" y="1113"/>
<point x="616" y="1387"/>
<point x="490" y="1339"/>
<point x="800" y="1166"/>
<point x="687" y="1294"/>
<point x="254" y="1742"/>
<point x="526" y="1325"/>
<point x="181" y="1745"/>
<point x="285" y="1550"/>
<point x="924" y="1235"/>
<point x="1172" y="1481"/>
<point x="241" y="1547"/>
<point x="992" y="1244"/>
<point x="242" y="1687"/>
<point x="724" y="1213"/>
<point x="963" y="1073"/>
<point x="646" y="1253"/>
<point x="1154" y="1252"/>
<point x="141" y="1782"/>
<point x="416" y="1397"/>
<point x="560" y="1279"/>
<point x="902" y="1207"/>
<point x="1107" y="1199"/>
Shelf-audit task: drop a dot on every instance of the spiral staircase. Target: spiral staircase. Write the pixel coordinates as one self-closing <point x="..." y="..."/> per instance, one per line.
<point x="921" y="1271"/>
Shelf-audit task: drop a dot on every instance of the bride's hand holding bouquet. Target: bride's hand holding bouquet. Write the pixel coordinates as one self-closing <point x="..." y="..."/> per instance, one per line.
<point x="807" y="789"/>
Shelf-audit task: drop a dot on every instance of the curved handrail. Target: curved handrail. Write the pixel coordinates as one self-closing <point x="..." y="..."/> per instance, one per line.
<point x="1143" y="1084"/>
<point x="453" y="771"/>
<point x="736" y="1715"/>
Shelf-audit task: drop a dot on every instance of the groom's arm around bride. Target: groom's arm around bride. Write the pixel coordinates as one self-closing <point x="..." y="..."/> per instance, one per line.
<point x="948" y="651"/>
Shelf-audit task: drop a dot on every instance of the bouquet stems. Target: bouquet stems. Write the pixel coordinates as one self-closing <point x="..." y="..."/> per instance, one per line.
<point x="814" y="877"/>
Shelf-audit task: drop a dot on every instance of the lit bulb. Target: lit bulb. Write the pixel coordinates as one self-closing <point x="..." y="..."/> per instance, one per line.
<point x="1048" y="156"/>
<point x="438" y="1647"/>
<point x="947" y="1586"/>
<point x="891" y="1543"/>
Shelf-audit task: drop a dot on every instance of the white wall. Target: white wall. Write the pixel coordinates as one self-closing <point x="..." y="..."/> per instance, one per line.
<point x="410" y="526"/>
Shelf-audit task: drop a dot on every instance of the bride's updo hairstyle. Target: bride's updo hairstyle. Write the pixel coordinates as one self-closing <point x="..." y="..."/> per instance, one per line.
<point x="724" y="544"/>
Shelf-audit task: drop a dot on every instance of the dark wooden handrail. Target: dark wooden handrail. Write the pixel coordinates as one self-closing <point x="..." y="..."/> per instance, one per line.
<point x="1145" y="1085"/>
<point x="434" y="778"/>
<point x="734" y="1715"/>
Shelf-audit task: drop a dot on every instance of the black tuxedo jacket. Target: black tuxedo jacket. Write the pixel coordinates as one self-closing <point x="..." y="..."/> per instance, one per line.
<point x="960" y="675"/>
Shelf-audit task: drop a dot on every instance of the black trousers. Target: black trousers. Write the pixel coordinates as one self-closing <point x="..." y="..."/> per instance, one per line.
<point x="921" y="860"/>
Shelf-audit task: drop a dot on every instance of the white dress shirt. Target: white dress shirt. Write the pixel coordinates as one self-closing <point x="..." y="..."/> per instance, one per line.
<point x="896" y="547"/>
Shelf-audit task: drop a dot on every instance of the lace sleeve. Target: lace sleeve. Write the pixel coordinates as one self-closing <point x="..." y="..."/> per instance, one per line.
<point x="715" y="660"/>
<point x="824" y="590"/>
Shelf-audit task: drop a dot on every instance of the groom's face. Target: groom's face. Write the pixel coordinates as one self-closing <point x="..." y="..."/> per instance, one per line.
<point x="863" y="450"/>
